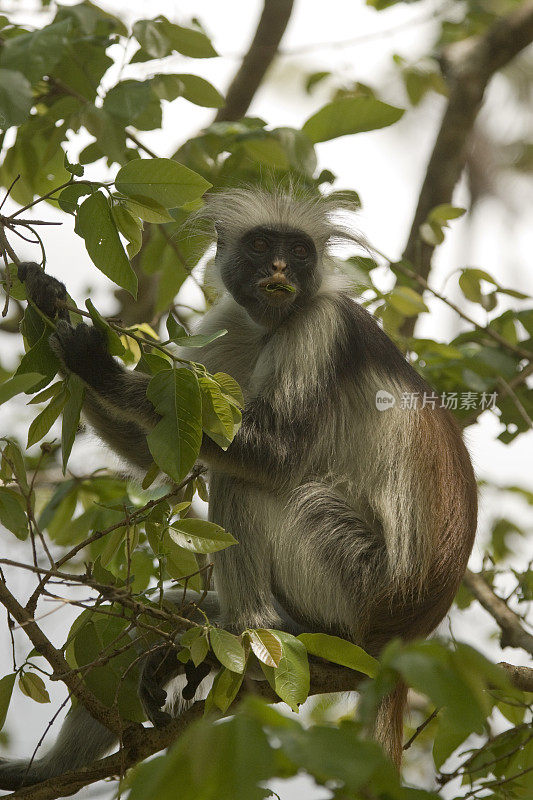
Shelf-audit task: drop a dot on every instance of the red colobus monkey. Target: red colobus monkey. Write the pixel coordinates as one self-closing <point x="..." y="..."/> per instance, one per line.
<point x="351" y="520"/>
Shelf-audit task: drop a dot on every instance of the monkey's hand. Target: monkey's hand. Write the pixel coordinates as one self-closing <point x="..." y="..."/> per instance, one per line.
<point x="157" y="669"/>
<point x="47" y="293"/>
<point x="83" y="350"/>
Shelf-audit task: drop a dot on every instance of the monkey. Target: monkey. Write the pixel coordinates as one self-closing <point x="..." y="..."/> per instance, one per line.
<point x="353" y="518"/>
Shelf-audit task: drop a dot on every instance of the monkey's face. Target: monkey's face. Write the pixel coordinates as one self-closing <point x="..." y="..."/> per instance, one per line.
<point x="270" y="271"/>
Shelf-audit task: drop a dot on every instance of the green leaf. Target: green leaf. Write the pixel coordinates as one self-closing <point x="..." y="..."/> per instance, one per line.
<point x="339" y="651"/>
<point x="188" y="41"/>
<point x="151" y="37"/>
<point x="340" y="755"/>
<point x="228" y="649"/>
<point x="17" y="288"/>
<point x="128" y="99"/>
<point x="44" y="421"/>
<point x="182" y="565"/>
<point x="290" y="680"/>
<point x="16" y="98"/>
<point x="199" y="649"/>
<point x="217" y="413"/>
<point x="192" y="87"/>
<point x="314" y="78"/>
<point x="18" y="384"/>
<point x="74" y="169"/>
<point x="350" y="115"/>
<point x="174" y="329"/>
<point x="240" y="759"/>
<point x="266" y="646"/>
<point x="13" y="454"/>
<point x="161" y="179"/>
<point x="199" y="339"/>
<point x="175" y="441"/>
<point x="114" y="343"/>
<point x="71" y="416"/>
<point x="230" y="388"/>
<point x="148" y="209"/>
<point x="130" y="227"/>
<point x="93" y="635"/>
<point x="200" y="536"/>
<point x="441" y="214"/>
<point x="95" y="225"/>
<point x="406" y="301"/>
<point x="40" y="358"/>
<point x="447" y="738"/>
<point x="35" y="54"/>
<point x="6" y="690"/>
<point x="267" y="150"/>
<point x="33" y="686"/>
<point x="68" y="199"/>
<point x="224" y="689"/>
<point x="12" y="512"/>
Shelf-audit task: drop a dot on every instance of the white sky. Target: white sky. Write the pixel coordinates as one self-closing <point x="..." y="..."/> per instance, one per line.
<point x="385" y="167"/>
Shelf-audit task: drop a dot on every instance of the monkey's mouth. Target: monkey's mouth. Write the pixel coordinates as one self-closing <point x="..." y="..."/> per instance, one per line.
<point x="277" y="287"/>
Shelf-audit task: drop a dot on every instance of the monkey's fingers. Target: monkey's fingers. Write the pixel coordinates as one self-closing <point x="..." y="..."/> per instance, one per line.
<point x="153" y="697"/>
<point x="47" y="292"/>
<point x="195" y="676"/>
<point x="83" y="350"/>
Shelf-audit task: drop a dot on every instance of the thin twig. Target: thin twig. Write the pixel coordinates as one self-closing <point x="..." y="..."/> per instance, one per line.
<point x="513" y="634"/>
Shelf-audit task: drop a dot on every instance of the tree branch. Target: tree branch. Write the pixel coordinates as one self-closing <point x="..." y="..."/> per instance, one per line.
<point x="107" y="716"/>
<point x="142" y="742"/>
<point x="469" y="65"/>
<point x="520" y="677"/>
<point x="270" y="30"/>
<point x="513" y="634"/>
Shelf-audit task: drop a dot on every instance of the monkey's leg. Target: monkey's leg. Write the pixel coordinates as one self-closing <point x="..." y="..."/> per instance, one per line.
<point x="243" y="573"/>
<point x="81" y="740"/>
<point x="162" y="666"/>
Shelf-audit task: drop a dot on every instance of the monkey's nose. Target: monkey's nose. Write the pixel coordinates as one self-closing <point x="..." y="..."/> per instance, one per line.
<point x="279" y="265"/>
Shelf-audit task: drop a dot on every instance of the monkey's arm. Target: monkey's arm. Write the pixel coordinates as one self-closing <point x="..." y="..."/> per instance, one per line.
<point x="118" y="408"/>
<point x="115" y="402"/>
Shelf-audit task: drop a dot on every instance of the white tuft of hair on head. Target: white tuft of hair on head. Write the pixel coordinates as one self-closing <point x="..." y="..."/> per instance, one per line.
<point x="323" y="219"/>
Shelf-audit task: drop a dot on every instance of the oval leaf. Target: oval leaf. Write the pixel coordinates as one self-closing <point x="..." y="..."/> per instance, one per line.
<point x="32" y="685"/>
<point x="17" y="384"/>
<point x="339" y="651"/>
<point x="162" y="180"/>
<point x="12" y="512"/>
<point x="350" y="115"/>
<point x="266" y="646"/>
<point x="291" y="679"/>
<point x="224" y="690"/>
<point x="228" y="649"/>
<point x="200" y="536"/>
<point x="6" y="690"/>
<point x="175" y="441"/>
<point x="95" y="224"/>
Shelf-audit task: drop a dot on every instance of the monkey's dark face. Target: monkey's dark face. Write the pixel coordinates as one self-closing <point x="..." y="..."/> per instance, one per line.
<point x="270" y="271"/>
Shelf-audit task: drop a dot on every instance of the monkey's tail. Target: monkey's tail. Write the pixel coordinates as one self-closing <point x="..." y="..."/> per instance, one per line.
<point x="80" y="742"/>
<point x="388" y="729"/>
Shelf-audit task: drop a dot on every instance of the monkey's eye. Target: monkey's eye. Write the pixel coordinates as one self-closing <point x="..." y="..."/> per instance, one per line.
<point x="260" y="244"/>
<point x="300" y="251"/>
